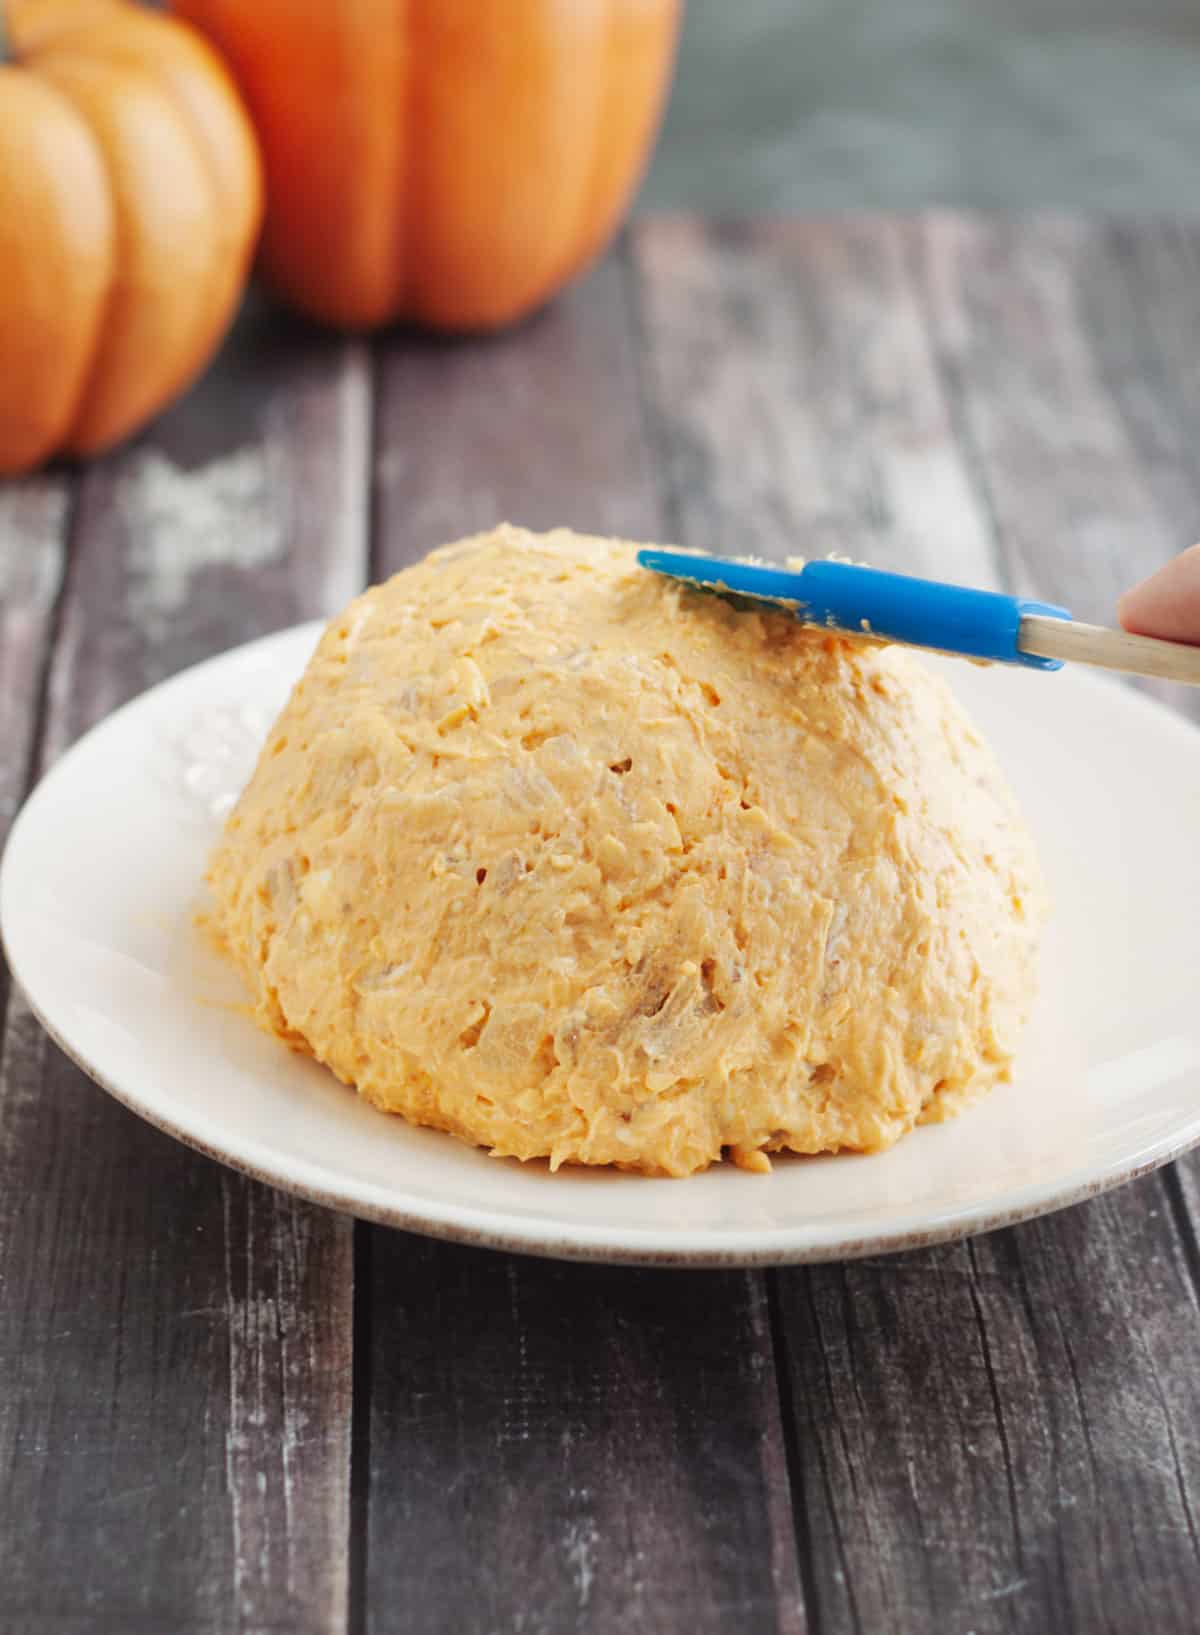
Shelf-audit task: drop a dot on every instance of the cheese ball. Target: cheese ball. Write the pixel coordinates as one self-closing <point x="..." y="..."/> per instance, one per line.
<point x="577" y="863"/>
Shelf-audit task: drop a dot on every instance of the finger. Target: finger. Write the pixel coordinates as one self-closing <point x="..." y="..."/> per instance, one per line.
<point x="1168" y="603"/>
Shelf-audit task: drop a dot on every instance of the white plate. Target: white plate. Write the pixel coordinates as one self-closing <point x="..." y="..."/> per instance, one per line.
<point x="100" y="884"/>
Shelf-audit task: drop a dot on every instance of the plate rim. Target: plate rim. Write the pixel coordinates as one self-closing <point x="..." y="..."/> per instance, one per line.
<point x="492" y="1228"/>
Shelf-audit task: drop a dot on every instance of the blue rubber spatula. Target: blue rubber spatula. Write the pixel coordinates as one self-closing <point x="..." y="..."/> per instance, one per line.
<point x="980" y="624"/>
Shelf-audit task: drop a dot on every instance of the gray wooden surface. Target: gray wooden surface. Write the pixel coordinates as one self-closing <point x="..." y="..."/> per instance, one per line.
<point x="222" y="1410"/>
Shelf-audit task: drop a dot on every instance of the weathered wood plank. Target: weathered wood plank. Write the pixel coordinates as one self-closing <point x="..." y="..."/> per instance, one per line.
<point x="1004" y="1435"/>
<point x="557" y="1448"/>
<point x="1137" y="300"/>
<point x="798" y="404"/>
<point x="175" y="1342"/>
<point x="973" y="1426"/>
<point x="33" y="521"/>
<point x="573" y="1448"/>
<point x="540" y="427"/>
<point x="1076" y="417"/>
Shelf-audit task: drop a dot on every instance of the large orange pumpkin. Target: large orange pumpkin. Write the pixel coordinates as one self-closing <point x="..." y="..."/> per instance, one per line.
<point x="452" y="161"/>
<point x="130" y="199"/>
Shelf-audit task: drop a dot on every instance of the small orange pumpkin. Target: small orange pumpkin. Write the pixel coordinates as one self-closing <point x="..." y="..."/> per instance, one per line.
<point x="130" y="200"/>
<point x="452" y="161"/>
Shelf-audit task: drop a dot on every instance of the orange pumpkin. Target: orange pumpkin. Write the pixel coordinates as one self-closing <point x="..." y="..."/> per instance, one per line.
<point x="130" y="200"/>
<point x="452" y="161"/>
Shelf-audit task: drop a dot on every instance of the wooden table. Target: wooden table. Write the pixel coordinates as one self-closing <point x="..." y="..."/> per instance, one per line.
<point x="225" y="1410"/>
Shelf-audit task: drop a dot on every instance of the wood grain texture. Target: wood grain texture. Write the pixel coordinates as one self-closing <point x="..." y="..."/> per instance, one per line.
<point x="1003" y="1435"/>
<point x="1073" y="414"/>
<point x="999" y="1436"/>
<point x="541" y="427"/>
<point x="797" y="402"/>
<point x="175" y="1341"/>
<point x="33" y="523"/>
<point x="34" y="515"/>
<point x="557" y="1448"/>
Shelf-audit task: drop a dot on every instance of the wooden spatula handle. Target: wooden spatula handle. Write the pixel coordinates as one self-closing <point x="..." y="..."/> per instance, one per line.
<point x="1109" y="649"/>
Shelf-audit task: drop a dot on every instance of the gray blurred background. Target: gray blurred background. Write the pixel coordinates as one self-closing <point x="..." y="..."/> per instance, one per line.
<point x="842" y="104"/>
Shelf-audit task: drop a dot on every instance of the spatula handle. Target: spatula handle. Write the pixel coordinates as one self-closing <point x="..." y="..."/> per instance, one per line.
<point x="1109" y="649"/>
